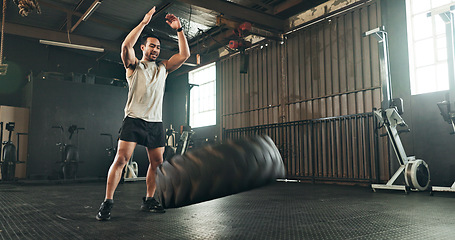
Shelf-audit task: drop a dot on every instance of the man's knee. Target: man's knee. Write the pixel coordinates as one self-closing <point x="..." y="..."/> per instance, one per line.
<point x="156" y="161"/>
<point x="121" y="158"/>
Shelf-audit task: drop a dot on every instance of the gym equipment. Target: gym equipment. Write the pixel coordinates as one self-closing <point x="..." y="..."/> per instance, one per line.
<point x="9" y="154"/>
<point x="215" y="171"/>
<point x="69" y="161"/>
<point x="447" y="107"/>
<point x="170" y="145"/>
<point x="416" y="171"/>
<point x="131" y="170"/>
<point x="182" y="144"/>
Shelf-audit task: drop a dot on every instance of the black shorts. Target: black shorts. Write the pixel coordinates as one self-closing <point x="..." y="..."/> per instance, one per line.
<point x="148" y="134"/>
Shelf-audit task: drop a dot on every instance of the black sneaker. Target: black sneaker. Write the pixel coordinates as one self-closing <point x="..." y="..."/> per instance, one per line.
<point x="151" y="205"/>
<point x="104" y="213"/>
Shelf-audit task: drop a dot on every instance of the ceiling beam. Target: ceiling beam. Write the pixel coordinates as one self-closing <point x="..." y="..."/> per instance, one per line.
<point x="259" y="3"/>
<point x="87" y="14"/>
<point x="45" y="34"/>
<point x="327" y="9"/>
<point x="241" y="12"/>
<point x="166" y="41"/>
<point x="40" y="33"/>
<point x="285" y="5"/>
<point x="222" y="21"/>
<point x="69" y="15"/>
<point x="93" y="19"/>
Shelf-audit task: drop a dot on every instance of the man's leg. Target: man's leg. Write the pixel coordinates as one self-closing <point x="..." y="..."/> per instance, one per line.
<point x="155" y="156"/>
<point x="124" y="152"/>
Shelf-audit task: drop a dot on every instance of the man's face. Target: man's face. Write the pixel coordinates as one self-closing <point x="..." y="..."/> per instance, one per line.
<point x="151" y="50"/>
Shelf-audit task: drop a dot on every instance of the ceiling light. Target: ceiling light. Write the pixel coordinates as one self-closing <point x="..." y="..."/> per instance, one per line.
<point x="70" y="45"/>
<point x="91" y="10"/>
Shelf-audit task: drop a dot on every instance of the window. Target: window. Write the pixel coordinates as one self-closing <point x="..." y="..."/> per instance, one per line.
<point x="203" y="96"/>
<point x="427" y="46"/>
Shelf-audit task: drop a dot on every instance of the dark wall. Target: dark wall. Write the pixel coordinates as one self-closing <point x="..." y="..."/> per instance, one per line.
<point x="25" y="55"/>
<point x="97" y="108"/>
<point x="429" y="138"/>
<point x="176" y="90"/>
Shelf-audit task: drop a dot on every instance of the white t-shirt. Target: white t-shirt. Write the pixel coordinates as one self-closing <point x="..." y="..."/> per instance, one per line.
<point x="146" y="91"/>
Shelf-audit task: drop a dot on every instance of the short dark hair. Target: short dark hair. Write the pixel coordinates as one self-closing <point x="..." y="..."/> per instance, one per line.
<point x="146" y="36"/>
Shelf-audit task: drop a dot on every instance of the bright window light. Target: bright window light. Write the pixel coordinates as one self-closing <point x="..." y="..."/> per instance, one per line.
<point x="427" y="46"/>
<point x="203" y="96"/>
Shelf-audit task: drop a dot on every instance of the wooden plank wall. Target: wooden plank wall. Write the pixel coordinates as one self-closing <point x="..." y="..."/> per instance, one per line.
<point x="324" y="70"/>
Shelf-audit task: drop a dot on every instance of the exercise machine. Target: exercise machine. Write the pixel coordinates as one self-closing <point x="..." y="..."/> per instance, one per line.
<point x="131" y="170"/>
<point x="170" y="144"/>
<point x="183" y="144"/>
<point x="69" y="161"/>
<point x="416" y="171"/>
<point x="447" y="107"/>
<point x="10" y="154"/>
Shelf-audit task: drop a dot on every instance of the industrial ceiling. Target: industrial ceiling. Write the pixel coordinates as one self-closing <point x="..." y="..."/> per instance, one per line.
<point x="208" y="24"/>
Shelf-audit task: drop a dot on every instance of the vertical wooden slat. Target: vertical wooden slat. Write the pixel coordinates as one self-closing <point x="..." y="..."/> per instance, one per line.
<point x="307" y="79"/>
<point x="270" y="80"/>
<point x="350" y="71"/>
<point x="276" y="80"/>
<point x="246" y="93"/>
<point x="229" y="89"/>
<point x="374" y="66"/>
<point x="254" y="93"/>
<point x="315" y="74"/>
<point x="250" y="87"/>
<point x="297" y="65"/>
<point x="350" y="51"/>
<point x="242" y="103"/>
<point x="328" y="64"/>
<point x="265" y="85"/>
<point x="223" y="91"/>
<point x="292" y="76"/>
<point x="235" y="95"/>
<point x="226" y="92"/>
<point x="260" y="86"/>
<point x="322" y="70"/>
<point x="352" y="104"/>
<point x="344" y="105"/>
<point x="342" y="53"/>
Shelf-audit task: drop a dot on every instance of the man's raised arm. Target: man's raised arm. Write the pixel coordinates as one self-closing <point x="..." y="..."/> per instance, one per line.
<point x="127" y="52"/>
<point x="184" y="50"/>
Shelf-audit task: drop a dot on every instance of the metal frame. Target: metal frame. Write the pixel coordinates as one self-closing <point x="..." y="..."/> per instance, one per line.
<point x="333" y="149"/>
<point x="448" y="17"/>
<point x="131" y="171"/>
<point x="389" y="116"/>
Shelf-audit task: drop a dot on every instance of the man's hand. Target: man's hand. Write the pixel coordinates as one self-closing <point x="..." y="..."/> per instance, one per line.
<point x="148" y="16"/>
<point x="173" y="21"/>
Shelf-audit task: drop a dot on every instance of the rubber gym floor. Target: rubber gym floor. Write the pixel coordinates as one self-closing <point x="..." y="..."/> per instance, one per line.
<point x="282" y="210"/>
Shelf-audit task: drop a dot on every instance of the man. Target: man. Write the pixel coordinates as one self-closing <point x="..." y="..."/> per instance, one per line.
<point x="143" y="112"/>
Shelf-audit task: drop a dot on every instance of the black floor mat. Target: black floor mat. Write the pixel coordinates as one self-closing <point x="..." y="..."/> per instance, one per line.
<point x="278" y="211"/>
